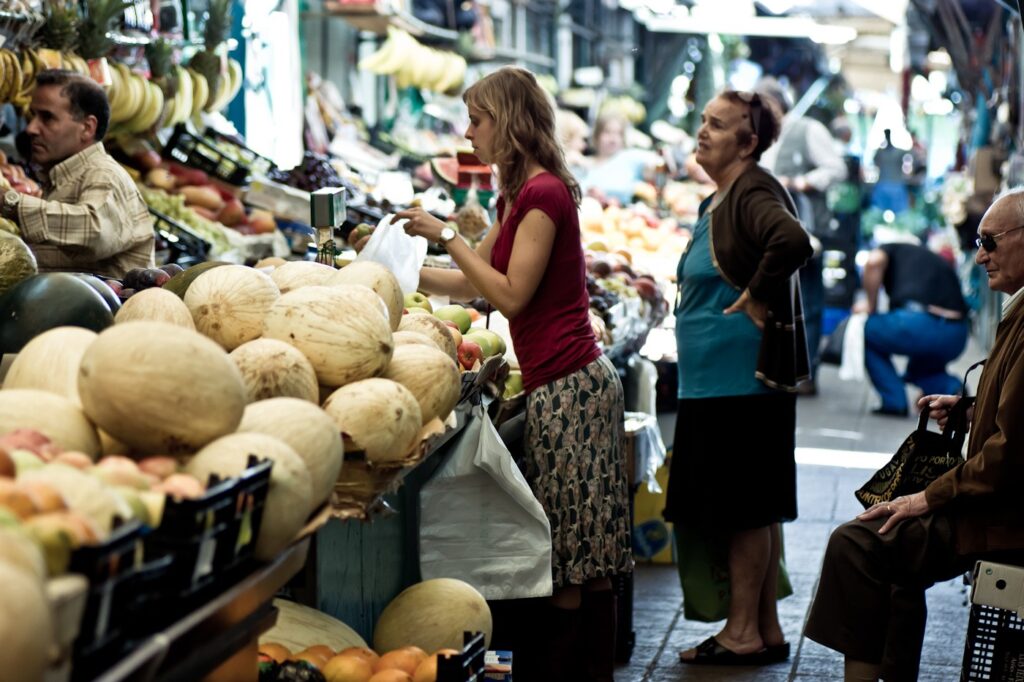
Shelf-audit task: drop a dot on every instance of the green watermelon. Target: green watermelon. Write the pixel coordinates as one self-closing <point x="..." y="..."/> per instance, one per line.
<point x="42" y="302"/>
<point x="17" y="261"/>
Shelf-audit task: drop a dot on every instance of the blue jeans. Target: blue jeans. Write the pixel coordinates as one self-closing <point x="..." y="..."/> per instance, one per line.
<point x="928" y="341"/>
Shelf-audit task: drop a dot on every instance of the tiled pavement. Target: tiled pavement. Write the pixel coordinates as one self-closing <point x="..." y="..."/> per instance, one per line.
<point x="839" y="418"/>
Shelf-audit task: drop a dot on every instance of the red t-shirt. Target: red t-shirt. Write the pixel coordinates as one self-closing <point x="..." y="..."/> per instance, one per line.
<point x="552" y="335"/>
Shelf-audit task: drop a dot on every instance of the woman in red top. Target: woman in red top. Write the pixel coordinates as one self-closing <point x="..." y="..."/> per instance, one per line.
<point x="530" y="267"/>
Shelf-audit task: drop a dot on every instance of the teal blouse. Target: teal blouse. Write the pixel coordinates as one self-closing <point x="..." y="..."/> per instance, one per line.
<point x="717" y="352"/>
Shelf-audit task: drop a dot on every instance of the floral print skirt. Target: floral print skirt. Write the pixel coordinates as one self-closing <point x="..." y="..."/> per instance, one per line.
<point x="574" y="463"/>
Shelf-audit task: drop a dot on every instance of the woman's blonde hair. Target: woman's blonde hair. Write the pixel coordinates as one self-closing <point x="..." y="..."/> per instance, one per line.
<point x="524" y="124"/>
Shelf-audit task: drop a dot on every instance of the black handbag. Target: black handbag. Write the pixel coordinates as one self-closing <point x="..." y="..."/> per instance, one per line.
<point x="924" y="456"/>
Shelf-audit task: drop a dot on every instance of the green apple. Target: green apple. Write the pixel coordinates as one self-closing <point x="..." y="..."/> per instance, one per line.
<point x="454" y="313"/>
<point x="418" y="300"/>
<point x="513" y="384"/>
<point x="485" y="342"/>
<point x="495" y="339"/>
<point x="358" y="232"/>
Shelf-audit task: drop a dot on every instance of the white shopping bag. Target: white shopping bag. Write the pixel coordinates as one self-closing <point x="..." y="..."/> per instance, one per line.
<point x="479" y="520"/>
<point x="399" y="252"/>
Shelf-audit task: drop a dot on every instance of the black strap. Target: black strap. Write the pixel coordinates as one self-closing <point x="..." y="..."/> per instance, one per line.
<point x="956" y="424"/>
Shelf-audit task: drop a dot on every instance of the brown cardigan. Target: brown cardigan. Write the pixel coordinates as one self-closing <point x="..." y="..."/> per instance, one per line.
<point x="758" y="244"/>
<point x="983" y="495"/>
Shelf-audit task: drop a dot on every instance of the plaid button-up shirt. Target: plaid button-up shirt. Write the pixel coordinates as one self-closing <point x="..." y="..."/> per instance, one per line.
<point x="91" y="218"/>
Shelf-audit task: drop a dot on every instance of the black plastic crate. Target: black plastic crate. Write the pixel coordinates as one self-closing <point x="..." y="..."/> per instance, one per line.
<point x="197" y="152"/>
<point x="468" y="666"/>
<point x="256" y="162"/>
<point x="211" y="539"/>
<point x="183" y="246"/>
<point x="111" y="569"/>
<point x="995" y="645"/>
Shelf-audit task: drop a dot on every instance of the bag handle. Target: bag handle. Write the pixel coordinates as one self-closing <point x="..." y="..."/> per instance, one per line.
<point x="956" y="426"/>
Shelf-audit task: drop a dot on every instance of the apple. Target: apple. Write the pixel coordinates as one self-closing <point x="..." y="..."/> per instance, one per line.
<point x="454" y="331"/>
<point x="454" y="313"/>
<point x="418" y="300"/>
<point x="646" y="288"/>
<point x="469" y="354"/>
<point x="359" y="232"/>
<point x="491" y="342"/>
<point x="513" y="384"/>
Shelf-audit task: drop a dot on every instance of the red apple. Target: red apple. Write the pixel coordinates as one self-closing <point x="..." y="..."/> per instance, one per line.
<point x="646" y="288"/>
<point x="469" y="354"/>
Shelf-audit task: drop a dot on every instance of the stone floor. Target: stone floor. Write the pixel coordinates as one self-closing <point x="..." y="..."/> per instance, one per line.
<point x="839" y="444"/>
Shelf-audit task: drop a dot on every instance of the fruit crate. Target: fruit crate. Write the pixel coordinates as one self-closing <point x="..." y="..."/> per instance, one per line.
<point x="210" y="540"/>
<point x="198" y="152"/>
<point x="183" y="246"/>
<point x="256" y="162"/>
<point x="111" y="569"/>
<point x="467" y="666"/>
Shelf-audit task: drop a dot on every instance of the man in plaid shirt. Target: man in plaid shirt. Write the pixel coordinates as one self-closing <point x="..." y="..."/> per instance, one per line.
<point x="91" y="217"/>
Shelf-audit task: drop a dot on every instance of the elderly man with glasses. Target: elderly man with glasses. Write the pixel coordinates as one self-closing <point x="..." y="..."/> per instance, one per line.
<point x="926" y="322"/>
<point x="870" y="602"/>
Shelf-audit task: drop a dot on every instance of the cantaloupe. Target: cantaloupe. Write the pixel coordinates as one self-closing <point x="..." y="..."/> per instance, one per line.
<point x="377" y="416"/>
<point x="404" y="338"/>
<point x="434" y="329"/>
<point x="430" y="375"/>
<point x="345" y="340"/>
<point x="301" y="273"/>
<point x="309" y="430"/>
<point x="288" y="500"/>
<point x="228" y="304"/>
<point x="160" y="389"/>
<point x="364" y="294"/>
<point x="50" y="361"/>
<point x="275" y="369"/>
<point x="27" y="630"/>
<point x="52" y="415"/>
<point x="378" y="278"/>
<point x="155" y="305"/>
<point x="432" y="615"/>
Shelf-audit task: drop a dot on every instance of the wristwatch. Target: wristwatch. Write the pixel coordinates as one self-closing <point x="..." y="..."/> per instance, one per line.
<point x="11" y="201"/>
<point x="447" y="234"/>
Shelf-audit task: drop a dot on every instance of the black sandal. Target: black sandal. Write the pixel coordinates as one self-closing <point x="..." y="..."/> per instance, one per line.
<point x="775" y="653"/>
<point x="710" y="652"/>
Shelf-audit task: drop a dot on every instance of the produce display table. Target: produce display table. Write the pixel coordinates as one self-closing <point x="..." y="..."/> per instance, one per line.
<point x="215" y="643"/>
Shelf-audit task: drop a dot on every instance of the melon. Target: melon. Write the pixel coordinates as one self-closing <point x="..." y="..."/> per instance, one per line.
<point x="17" y="262"/>
<point x="269" y="263"/>
<point x="445" y="170"/>
<point x="405" y="338"/>
<point x="301" y="273"/>
<point x="299" y="627"/>
<point x="378" y="278"/>
<point x="180" y="283"/>
<point x="363" y="294"/>
<point x="55" y="416"/>
<point x="27" y="632"/>
<point x="309" y="430"/>
<point x="17" y="549"/>
<point x="378" y="416"/>
<point x="160" y="389"/>
<point x="430" y="375"/>
<point x="42" y="302"/>
<point x="50" y="362"/>
<point x="288" y="499"/>
<point x="274" y="369"/>
<point x="155" y="305"/>
<point x="345" y="340"/>
<point x="434" y="329"/>
<point x="228" y="304"/>
<point x="432" y="615"/>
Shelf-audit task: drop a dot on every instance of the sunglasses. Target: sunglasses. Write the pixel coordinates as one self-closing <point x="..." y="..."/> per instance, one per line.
<point x="988" y="241"/>
<point x="753" y="100"/>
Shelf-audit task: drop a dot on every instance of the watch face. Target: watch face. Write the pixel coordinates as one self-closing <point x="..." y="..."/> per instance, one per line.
<point x="447" y="234"/>
<point x="11" y="198"/>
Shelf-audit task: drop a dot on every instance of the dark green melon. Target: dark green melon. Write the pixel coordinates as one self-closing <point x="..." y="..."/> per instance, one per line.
<point x="180" y="283"/>
<point x="42" y="302"/>
<point x="112" y="300"/>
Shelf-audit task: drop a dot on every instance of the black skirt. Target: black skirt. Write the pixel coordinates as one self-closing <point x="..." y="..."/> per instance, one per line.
<point x="732" y="462"/>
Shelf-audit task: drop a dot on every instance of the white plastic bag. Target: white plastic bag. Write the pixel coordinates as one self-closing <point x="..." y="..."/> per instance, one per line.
<point x="399" y="252"/>
<point x="479" y="520"/>
<point x="852" y="367"/>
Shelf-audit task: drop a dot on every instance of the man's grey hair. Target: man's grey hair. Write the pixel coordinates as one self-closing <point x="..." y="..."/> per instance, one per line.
<point x="1014" y="195"/>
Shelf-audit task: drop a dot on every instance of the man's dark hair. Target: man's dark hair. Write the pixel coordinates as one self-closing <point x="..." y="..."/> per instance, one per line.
<point x="85" y="96"/>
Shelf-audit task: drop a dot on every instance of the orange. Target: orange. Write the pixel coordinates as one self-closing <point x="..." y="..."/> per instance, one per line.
<point x="405" y="659"/>
<point x="275" y="651"/>
<point x="347" y="669"/>
<point x="368" y="655"/>
<point x="317" y="660"/>
<point x="427" y="670"/>
<point x="391" y="676"/>
<point x="321" y="650"/>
